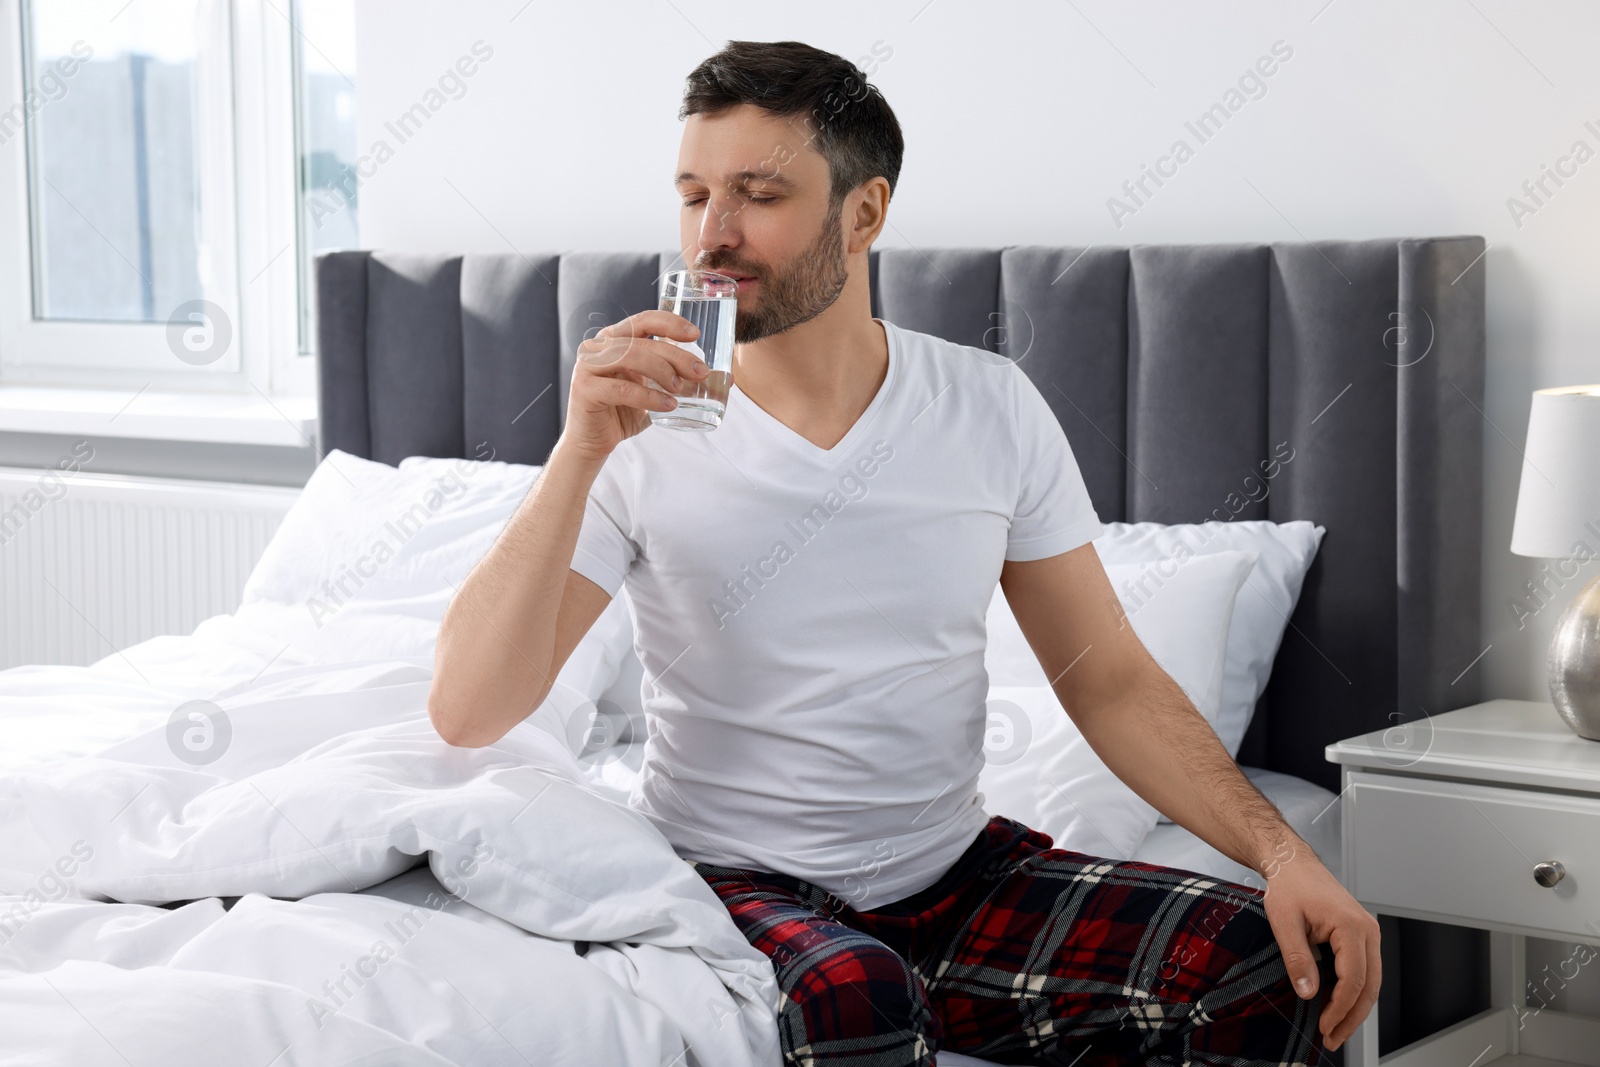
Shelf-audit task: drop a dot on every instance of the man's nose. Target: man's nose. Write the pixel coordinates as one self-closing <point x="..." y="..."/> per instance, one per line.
<point x="719" y="225"/>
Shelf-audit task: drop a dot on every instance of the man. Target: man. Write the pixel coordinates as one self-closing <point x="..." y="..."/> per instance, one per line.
<point x="810" y="582"/>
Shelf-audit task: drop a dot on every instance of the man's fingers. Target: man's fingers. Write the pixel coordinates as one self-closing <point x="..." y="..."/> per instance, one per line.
<point x="651" y="323"/>
<point x="614" y="392"/>
<point x="640" y="364"/>
<point x="1350" y="964"/>
<point x="647" y="356"/>
<point x="662" y="361"/>
<point x="1357" y="1015"/>
<point x="1297" y="960"/>
<point x="1369" y="993"/>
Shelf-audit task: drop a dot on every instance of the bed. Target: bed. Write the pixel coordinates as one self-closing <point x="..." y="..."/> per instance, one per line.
<point x="236" y="900"/>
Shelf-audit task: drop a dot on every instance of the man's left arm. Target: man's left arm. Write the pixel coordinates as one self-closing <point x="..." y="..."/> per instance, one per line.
<point x="1148" y="732"/>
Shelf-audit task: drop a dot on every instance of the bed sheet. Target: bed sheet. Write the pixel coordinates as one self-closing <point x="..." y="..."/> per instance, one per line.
<point x="232" y="900"/>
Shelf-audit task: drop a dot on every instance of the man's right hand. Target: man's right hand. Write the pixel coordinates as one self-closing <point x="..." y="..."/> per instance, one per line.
<point x="609" y="400"/>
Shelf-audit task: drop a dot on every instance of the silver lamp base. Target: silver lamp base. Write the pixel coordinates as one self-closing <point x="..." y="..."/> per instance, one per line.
<point x="1574" y="663"/>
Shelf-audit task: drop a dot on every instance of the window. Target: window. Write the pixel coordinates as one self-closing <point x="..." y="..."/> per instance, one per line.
<point x="167" y="174"/>
<point x="114" y="186"/>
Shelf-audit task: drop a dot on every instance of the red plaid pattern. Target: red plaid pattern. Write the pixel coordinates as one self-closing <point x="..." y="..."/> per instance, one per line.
<point x="1026" y="953"/>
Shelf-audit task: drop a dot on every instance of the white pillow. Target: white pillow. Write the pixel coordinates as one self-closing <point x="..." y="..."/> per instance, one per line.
<point x="1262" y="612"/>
<point x="1038" y="767"/>
<point x="369" y="556"/>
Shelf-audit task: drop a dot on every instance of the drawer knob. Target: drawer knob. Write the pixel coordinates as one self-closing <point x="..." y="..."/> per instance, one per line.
<point x="1549" y="873"/>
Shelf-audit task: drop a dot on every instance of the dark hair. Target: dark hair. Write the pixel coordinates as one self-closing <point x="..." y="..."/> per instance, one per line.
<point x="855" y="129"/>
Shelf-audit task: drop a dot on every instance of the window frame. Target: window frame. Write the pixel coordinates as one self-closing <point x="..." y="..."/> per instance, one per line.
<point x="305" y="321"/>
<point x="247" y="174"/>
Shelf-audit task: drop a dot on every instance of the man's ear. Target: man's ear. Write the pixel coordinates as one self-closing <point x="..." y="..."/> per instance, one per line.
<point x="870" y="213"/>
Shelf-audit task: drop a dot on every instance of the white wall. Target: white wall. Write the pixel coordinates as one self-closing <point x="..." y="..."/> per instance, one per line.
<point x="1389" y="119"/>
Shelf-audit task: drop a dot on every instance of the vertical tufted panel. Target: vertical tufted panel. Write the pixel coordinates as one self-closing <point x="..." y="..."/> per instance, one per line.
<point x="671" y="259"/>
<point x="952" y="293"/>
<point x="1064" y="318"/>
<point x="414" y="355"/>
<point x="1197" y="380"/>
<point x="342" y="354"/>
<point x="595" y="289"/>
<point x="1330" y="436"/>
<point x="510" y="357"/>
<point x="1439" y="487"/>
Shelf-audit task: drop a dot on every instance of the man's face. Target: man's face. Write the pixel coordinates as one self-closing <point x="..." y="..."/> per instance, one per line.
<point x="755" y="205"/>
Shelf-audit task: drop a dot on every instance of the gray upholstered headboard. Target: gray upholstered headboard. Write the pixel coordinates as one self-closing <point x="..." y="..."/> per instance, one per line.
<point x="1178" y="371"/>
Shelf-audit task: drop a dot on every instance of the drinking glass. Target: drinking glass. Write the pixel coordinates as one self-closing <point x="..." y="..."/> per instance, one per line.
<point x="711" y="302"/>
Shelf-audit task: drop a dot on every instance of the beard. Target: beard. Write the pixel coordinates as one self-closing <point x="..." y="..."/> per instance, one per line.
<point x="798" y="293"/>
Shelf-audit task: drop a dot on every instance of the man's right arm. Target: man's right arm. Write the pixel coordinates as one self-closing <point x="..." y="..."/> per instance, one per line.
<point x="500" y="647"/>
<point x="522" y="610"/>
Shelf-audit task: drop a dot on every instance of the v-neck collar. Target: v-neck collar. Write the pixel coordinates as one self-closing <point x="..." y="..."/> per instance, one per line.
<point x="795" y="441"/>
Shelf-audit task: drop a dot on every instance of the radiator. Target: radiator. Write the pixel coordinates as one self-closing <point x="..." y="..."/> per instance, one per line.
<point x="93" y="563"/>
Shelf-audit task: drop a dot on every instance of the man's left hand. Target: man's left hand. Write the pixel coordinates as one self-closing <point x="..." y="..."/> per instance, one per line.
<point x="1306" y="905"/>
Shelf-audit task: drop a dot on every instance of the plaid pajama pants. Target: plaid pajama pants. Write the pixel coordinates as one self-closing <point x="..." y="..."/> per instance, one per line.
<point x="1025" y="953"/>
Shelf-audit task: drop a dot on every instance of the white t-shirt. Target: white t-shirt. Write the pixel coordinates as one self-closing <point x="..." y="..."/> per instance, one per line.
<point x="811" y="621"/>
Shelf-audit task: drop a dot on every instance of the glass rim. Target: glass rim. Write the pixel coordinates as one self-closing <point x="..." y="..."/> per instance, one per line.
<point x="689" y="280"/>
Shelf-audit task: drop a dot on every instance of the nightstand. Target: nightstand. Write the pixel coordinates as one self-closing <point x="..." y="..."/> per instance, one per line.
<point x="1487" y="816"/>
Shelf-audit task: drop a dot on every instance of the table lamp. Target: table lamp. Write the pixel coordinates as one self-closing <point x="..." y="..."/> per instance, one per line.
<point x="1558" y="516"/>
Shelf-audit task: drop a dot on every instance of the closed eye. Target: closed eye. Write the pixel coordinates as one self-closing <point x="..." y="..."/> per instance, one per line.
<point x="752" y="199"/>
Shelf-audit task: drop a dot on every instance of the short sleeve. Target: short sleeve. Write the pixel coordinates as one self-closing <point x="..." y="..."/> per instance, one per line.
<point x="1053" y="512"/>
<point x="604" y="551"/>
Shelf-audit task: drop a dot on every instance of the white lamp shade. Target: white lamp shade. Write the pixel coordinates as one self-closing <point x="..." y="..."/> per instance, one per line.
<point x="1558" y="503"/>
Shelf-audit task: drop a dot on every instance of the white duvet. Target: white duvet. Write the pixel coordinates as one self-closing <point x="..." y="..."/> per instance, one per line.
<point x="399" y="901"/>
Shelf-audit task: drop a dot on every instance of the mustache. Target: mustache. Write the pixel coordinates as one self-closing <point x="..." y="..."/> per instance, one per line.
<point x="726" y="268"/>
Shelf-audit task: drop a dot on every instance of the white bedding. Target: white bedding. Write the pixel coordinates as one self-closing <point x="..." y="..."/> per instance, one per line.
<point x="332" y="789"/>
<point x="488" y="975"/>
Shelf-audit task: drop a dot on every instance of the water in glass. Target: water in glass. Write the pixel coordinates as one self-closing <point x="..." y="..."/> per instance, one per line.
<point x="712" y="304"/>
